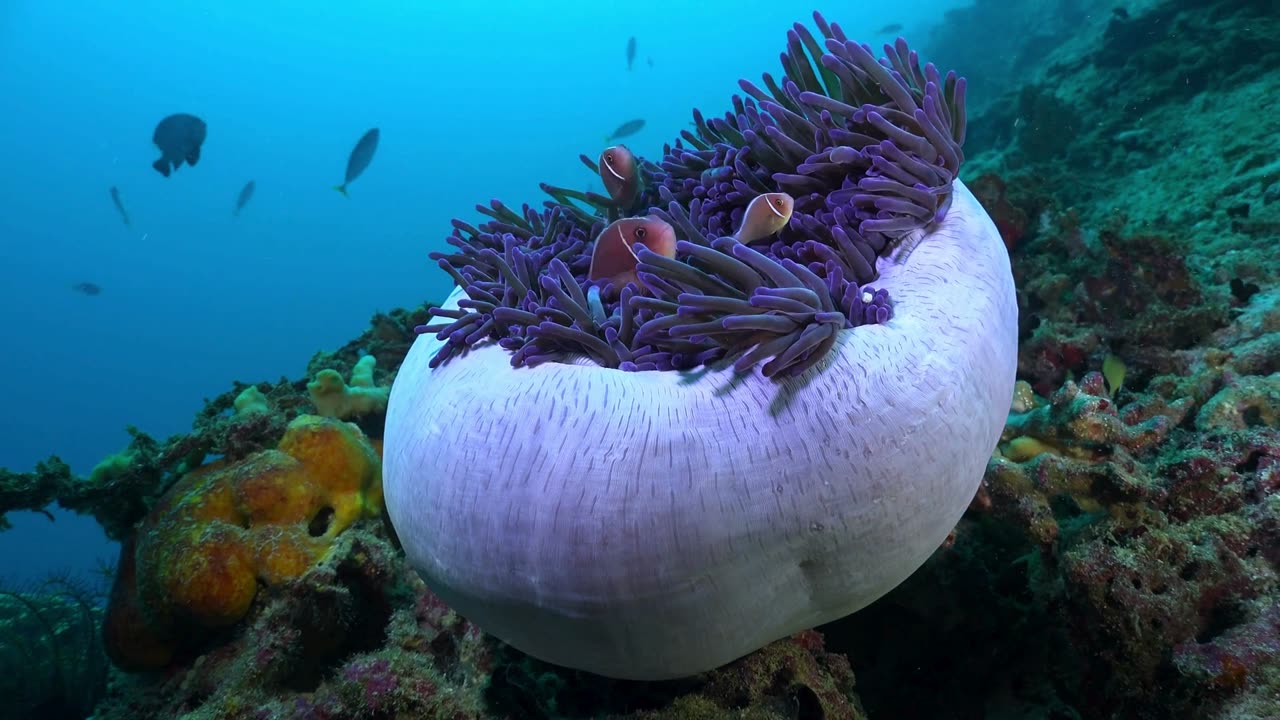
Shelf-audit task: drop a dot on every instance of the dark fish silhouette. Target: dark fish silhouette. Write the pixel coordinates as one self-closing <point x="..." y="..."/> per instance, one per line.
<point x="650" y="60"/>
<point x="890" y="28"/>
<point x="361" y="156"/>
<point x="87" y="288"/>
<point x="630" y="127"/>
<point x="245" y="193"/>
<point x="115" y="198"/>
<point x="179" y="138"/>
<point x="631" y="51"/>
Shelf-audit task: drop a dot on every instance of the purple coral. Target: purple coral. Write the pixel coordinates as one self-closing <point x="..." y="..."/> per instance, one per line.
<point x="867" y="148"/>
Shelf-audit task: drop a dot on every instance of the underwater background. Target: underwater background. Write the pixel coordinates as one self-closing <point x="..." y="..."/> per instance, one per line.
<point x="473" y="100"/>
<point x="1121" y="555"/>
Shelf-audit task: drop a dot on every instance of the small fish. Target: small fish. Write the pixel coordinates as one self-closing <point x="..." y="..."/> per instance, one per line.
<point x="620" y="175"/>
<point x="179" y="138"/>
<point x="650" y="61"/>
<point x="115" y="198"/>
<point x="630" y="127"/>
<point x="245" y="193"/>
<point x="361" y="156"/>
<point x="1113" y="372"/>
<point x="890" y="28"/>
<point x="765" y="215"/>
<point x="614" y="259"/>
<point x="631" y="51"/>
<point x="87" y="288"/>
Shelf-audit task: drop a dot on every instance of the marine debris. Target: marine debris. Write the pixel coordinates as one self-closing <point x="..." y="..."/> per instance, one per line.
<point x="52" y="663"/>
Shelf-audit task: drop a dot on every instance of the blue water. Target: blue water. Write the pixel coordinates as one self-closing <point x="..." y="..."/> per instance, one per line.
<point x="474" y="100"/>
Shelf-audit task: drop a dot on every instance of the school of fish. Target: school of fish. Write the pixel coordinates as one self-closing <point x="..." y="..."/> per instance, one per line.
<point x="180" y="138"/>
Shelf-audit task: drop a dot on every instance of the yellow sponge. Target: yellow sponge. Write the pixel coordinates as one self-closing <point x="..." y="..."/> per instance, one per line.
<point x="335" y="398"/>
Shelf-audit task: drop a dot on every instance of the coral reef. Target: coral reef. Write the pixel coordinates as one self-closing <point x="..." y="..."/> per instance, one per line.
<point x="359" y="635"/>
<point x="1121" y="559"/>
<point x="1124" y="559"/>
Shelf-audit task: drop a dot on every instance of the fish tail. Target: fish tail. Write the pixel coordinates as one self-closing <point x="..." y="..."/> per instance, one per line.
<point x="342" y="189"/>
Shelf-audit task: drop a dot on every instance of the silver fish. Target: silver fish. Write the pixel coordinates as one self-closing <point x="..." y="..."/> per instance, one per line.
<point x="245" y="193"/>
<point x="361" y="156"/>
<point x="179" y="138"/>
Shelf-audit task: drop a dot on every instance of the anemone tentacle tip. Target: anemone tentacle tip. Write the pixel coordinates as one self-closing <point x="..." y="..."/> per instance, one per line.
<point x="555" y="482"/>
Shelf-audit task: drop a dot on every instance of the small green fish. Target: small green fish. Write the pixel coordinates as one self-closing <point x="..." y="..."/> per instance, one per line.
<point x="361" y="156"/>
<point x="1113" y="372"/>
<point x="630" y="127"/>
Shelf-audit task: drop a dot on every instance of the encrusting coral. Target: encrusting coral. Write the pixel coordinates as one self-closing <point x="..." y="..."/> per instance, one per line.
<point x="771" y="422"/>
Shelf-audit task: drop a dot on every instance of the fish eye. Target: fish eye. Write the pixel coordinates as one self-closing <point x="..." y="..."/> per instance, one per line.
<point x="777" y="202"/>
<point x="640" y="233"/>
<point x="608" y="158"/>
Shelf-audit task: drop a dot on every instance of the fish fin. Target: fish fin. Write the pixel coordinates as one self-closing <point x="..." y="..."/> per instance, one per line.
<point x="161" y="166"/>
<point x="193" y="157"/>
<point x="342" y="189"/>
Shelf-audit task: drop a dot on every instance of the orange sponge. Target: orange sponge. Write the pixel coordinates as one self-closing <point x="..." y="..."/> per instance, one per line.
<point x="222" y="530"/>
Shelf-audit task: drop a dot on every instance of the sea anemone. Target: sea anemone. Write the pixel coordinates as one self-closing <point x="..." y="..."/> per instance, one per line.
<point x="809" y="408"/>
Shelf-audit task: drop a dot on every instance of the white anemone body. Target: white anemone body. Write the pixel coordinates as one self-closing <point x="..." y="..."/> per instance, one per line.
<point x="652" y="525"/>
